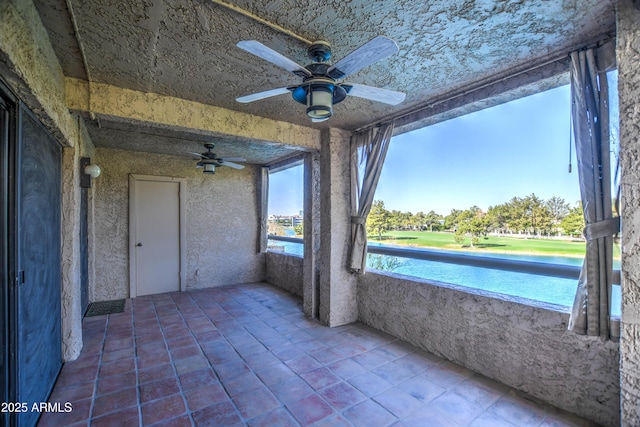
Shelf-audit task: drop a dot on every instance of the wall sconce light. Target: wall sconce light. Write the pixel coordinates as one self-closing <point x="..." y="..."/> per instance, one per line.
<point x="88" y="172"/>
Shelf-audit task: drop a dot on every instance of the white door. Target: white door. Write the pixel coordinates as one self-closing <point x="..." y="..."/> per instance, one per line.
<point x="156" y="238"/>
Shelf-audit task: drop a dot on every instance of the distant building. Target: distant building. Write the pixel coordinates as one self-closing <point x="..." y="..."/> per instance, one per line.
<point x="286" y="220"/>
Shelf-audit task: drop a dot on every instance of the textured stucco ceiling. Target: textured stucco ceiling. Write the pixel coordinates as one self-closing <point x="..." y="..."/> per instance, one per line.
<point x="154" y="139"/>
<point x="187" y="48"/>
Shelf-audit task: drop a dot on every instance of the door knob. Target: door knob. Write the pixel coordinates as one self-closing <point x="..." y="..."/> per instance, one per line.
<point x="139" y="244"/>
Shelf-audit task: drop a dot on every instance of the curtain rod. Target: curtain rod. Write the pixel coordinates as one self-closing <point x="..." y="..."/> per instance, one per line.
<point x="466" y="90"/>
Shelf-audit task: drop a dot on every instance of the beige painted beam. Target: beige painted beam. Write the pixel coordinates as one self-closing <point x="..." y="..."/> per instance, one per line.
<point x="179" y="113"/>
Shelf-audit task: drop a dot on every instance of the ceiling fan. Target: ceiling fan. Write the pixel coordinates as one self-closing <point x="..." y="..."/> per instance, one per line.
<point x="209" y="161"/>
<point x="320" y="87"/>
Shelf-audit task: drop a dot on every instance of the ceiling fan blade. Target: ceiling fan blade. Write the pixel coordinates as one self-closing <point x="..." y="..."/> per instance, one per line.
<point x="374" y="50"/>
<point x="231" y="165"/>
<point x="232" y="159"/>
<point x="262" y="95"/>
<point x="386" y="96"/>
<point x="268" y="54"/>
<point x="198" y="154"/>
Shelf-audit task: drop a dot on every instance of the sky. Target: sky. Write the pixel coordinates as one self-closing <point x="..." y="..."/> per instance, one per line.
<point x="482" y="159"/>
<point x="286" y="191"/>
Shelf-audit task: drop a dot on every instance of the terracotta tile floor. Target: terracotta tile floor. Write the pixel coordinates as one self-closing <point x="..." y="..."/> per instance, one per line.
<point x="246" y="355"/>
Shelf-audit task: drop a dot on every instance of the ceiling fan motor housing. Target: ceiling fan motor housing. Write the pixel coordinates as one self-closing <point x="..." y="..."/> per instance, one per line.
<point x="300" y="93"/>
<point x="319" y="51"/>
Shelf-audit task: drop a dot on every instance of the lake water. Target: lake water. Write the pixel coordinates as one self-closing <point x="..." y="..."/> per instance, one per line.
<point x="539" y="288"/>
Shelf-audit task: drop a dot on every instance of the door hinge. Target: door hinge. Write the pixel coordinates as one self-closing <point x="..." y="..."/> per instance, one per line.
<point x="20" y="277"/>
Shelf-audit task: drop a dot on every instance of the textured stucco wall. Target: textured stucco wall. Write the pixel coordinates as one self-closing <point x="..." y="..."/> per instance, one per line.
<point x="312" y="235"/>
<point x="337" y="285"/>
<point x="72" y="312"/>
<point x="284" y="271"/>
<point x="29" y="66"/>
<point x="221" y="221"/>
<point x="628" y="56"/>
<point x="524" y="346"/>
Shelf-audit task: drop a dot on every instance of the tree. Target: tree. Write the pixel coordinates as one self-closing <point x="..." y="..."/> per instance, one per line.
<point x="420" y="220"/>
<point x="515" y="210"/>
<point x="433" y="220"/>
<point x="528" y="215"/>
<point x="573" y="224"/>
<point x="558" y="209"/>
<point x="275" y="229"/>
<point x="400" y="220"/>
<point x="383" y="262"/>
<point x="407" y="220"/>
<point x="472" y="223"/>
<point x="498" y="218"/>
<point x="392" y="219"/>
<point x="540" y="218"/>
<point x="451" y="220"/>
<point x="298" y="229"/>
<point x="378" y="219"/>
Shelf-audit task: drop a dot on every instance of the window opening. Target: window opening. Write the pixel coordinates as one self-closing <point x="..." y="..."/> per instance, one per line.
<point x="285" y="210"/>
<point x="493" y="183"/>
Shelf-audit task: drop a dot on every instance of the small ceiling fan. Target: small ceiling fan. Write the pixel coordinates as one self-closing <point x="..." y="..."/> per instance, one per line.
<point x="320" y="87"/>
<point x="209" y="161"/>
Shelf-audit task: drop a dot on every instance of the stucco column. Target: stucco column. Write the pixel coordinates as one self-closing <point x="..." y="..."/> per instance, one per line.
<point x="337" y="285"/>
<point x="71" y="295"/>
<point x="628" y="56"/>
<point x="310" y="285"/>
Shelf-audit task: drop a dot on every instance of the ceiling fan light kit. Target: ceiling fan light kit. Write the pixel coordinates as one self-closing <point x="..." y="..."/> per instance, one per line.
<point x="320" y="88"/>
<point x="208" y="160"/>
<point x="209" y="168"/>
<point x="320" y="102"/>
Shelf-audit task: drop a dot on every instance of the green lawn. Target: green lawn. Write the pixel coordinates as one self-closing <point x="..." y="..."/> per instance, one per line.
<point x="445" y="240"/>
